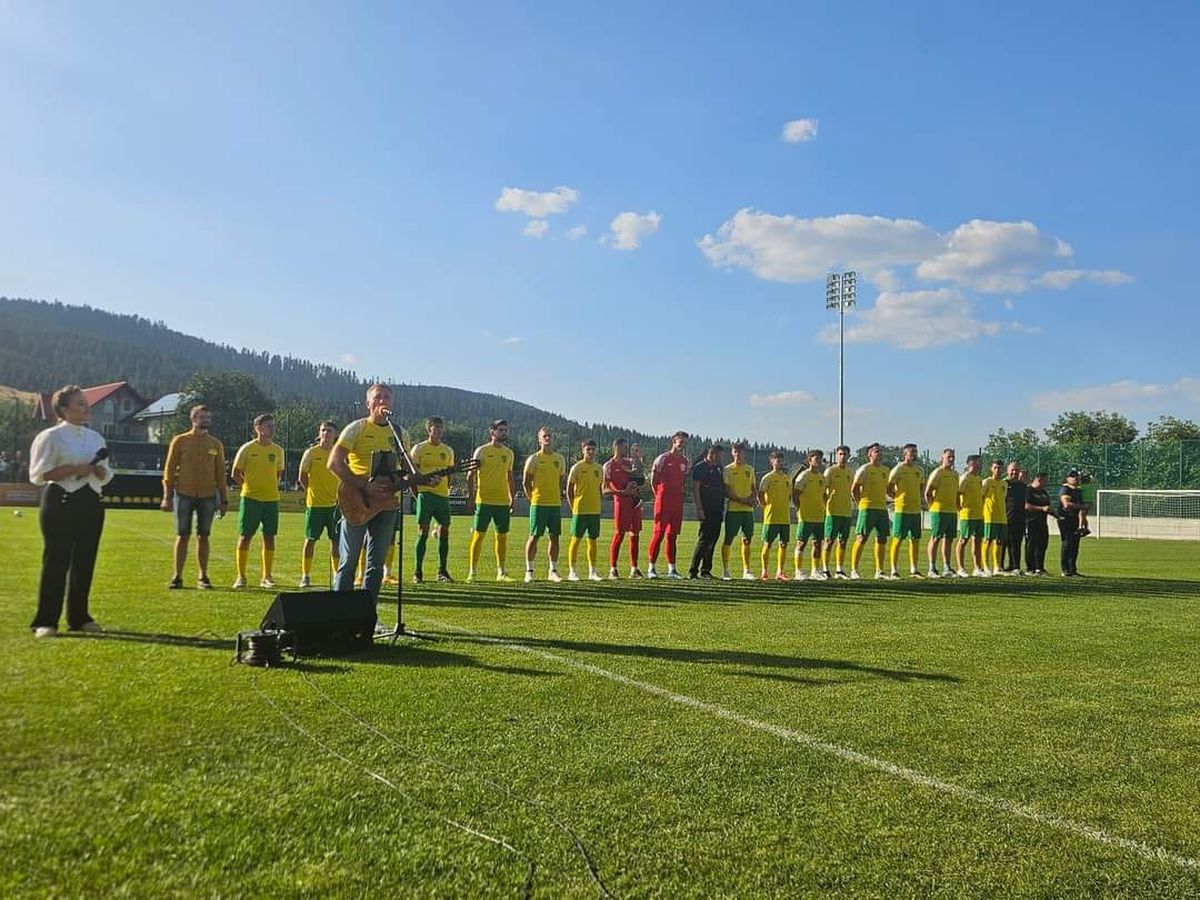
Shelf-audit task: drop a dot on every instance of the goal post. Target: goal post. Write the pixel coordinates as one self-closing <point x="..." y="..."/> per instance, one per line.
<point x="1162" y="515"/>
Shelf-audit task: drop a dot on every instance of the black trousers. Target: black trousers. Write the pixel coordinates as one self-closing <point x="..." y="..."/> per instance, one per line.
<point x="71" y="525"/>
<point x="1068" y="530"/>
<point x="1037" y="538"/>
<point x="706" y="543"/>
<point x="1011" y="555"/>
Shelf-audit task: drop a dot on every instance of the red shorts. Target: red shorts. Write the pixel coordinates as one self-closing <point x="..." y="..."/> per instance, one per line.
<point x="627" y="517"/>
<point x="668" y="515"/>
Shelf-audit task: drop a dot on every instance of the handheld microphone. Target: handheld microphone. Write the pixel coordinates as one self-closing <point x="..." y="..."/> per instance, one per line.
<point x="101" y="455"/>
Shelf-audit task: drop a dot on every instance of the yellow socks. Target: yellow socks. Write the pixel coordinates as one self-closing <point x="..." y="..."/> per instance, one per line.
<point x="912" y="555"/>
<point x="780" y="556"/>
<point x="501" y="550"/>
<point x="268" y="560"/>
<point x="762" y="557"/>
<point x="878" y="556"/>
<point x="895" y="553"/>
<point x="475" y="549"/>
<point x="856" y="554"/>
<point x="242" y="554"/>
<point x="746" y="556"/>
<point x="726" y="552"/>
<point x="572" y="552"/>
<point x="305" y="565"/>
<point x="591" y="554"/>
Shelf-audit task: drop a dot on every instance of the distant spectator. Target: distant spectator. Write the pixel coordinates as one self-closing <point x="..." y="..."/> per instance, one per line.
<point x="1014" y="503"/>
<point x="4" y="466"/>
<point x="1070" y="506"/>
<point x="1088" y="491"/>
<point x="1037" y="529"/>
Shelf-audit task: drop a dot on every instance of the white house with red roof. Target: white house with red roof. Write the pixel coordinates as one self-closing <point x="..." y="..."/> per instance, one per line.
<point x="114" y="408"/>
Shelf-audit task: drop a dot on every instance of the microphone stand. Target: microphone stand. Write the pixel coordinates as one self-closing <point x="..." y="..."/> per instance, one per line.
<point x="410" y="468"/>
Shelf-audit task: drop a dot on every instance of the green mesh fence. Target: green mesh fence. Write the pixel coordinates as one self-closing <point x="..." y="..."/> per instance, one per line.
<point x="1141" y="464"/>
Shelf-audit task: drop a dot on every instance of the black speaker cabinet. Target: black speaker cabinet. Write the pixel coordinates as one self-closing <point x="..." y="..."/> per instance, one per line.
<point x="323" y="623"/>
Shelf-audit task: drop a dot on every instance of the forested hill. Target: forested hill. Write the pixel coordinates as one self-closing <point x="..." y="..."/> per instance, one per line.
<point x="43" y="345"/>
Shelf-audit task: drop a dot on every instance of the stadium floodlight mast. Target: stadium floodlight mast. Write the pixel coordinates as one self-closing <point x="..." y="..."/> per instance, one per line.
<point x="841" y="291"/>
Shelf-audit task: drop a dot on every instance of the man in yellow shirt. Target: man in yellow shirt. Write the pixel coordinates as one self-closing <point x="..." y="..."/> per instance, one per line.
<point x="257" y="467"/>
<point x="584" y="483"/>
<point x="739" y="513"/>
<point x="995" y="518"/>
<point x="839" y="508"/>
<point x="320" y="500"/>
<point x="433" y="500"/>
<point x="869" y="490"/>
<point x="775" y="495"/>
<point x="808" y="490"/>
<point x="970" y="517"/>
<point x="543" y="479"/>
<point x="194" y="482"/>
<point x="941" y="495"/>
<point x="491" y="489"/>
<point x="904" y="487"/>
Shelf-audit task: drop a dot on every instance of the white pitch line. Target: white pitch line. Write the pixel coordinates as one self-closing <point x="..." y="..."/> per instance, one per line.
<point x="912" y="776"/>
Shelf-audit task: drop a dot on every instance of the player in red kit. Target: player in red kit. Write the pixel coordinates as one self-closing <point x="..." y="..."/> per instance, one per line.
<point x="624" y="484"/>
<point x="668" y="476"/>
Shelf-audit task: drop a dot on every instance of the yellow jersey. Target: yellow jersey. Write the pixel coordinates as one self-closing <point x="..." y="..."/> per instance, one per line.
<point x="970" y="493"/>
<point x="547" y="470"/>
<point x="429" y="457"/>
<point x="837" y="483"/>
<point x="906" y="481"/>
<point x="587" y="478"/>
<point x="775" y="491"/>
<point x="810" y="487"/>
<point x="995" y="493"/>
<point x="943" y="484"/>
<point x="322" y="484"/>
<point x="874" y="481"/>
<point x="360" y="438"/>
<point x="260" y="465"/>
<point x="491" y="479"/>
<point x="739" y="480"/>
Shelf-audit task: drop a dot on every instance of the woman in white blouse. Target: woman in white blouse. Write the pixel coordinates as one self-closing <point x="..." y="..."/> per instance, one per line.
<point x="67" y="459"/>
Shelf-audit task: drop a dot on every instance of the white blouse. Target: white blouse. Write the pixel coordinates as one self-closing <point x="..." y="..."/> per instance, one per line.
<point x="67" y="445"/>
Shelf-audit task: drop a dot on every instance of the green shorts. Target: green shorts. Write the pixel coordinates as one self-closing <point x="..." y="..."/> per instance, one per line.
<point x="873" y="520"/>
<point x="781" y="533"/>
<point x="970" y="528"/>
<point x="321" y="519"/>
<point x="995" y="531"/>
<point x="815" y="531"/>
<point x="487" y="513"/>
<point x="255" y="513"/>
<point x="739" y="520"/>
<point x="545" y="518"/>
<point x="907" y="525"/>
<point x="942" y="525"/>
<point x="837" y="528"/>
<point x="431" y="506"/>
<point x="585" y="524"/>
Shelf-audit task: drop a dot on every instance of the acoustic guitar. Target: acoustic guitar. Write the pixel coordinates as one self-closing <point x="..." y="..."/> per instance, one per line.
<point x="360" y="505"/>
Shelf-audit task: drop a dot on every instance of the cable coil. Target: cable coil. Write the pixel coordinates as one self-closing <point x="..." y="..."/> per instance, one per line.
<point x="260" y="648"/>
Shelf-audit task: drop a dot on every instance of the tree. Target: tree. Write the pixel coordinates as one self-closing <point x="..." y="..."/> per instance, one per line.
<point x="234" y="398"/>
<point x="1168" y="429"/>
<point x="1018" y="443"/>
<point x="1076" y="427"/>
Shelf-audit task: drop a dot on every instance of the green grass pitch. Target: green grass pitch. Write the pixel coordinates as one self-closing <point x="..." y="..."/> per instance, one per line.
<point x="986" y="738"/>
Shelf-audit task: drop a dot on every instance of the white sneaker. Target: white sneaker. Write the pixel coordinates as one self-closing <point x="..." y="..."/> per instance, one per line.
<point x="725" y="576"/>
<point x="799" y="576"/>
<point x="528" y="575"/>
<point x="267" y="582"/>
<point x="881" y="576"/>
<point x="962" y="573"/>
<point x="554" y="576"/>
<point x="593" y="575"/>
<point x="636" y="573"/>
<point x="45" y="631"/>
<point x="304" y="582"/>
<point x="503" y="576"/>
<point x="913" y="573"/>
<point x="572" y="575"/>
<point x="840" y="575"/>
<point x="934" y="573"/>
<point x="470" y="577"/>
<point x="674" y="573"/>
<point x="91" y="628"/>
<point x="748" y="576"/>
<point x="980" y="573"/>
<point x="239" y="582"/>
<point x="613" y="574"/>
<point x="650" y="573"/>
<point x="819" y="576"/>
<point x="854" y="576"/>
<point x="950" y="573"/>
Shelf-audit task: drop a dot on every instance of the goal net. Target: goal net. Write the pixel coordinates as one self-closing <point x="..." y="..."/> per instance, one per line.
<point x="1166" y="515"/>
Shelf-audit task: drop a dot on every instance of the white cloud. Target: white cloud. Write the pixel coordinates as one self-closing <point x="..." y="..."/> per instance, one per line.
<point x="1118" y="395"/>
<point x="512" y="340"/>
<point x="993" y="257"/>
<point x="914" y="320"/>
<point x="783" y="398"/>
<point x="886" y="280"/>
<point x="535" y="228"/>
<point x="629" y="228"/>
<point x="799" y="130"/>
<point x="348" y="359"/>
<point x="536" y="204"/>
<point x="1008" y="304"/>
<point x="575" y="232"/>
<point x="1064" y="278"/>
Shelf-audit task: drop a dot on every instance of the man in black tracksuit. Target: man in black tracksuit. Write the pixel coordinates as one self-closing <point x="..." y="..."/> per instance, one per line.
<point x="1014" y="509"/>
<point x="1037" y="529"/>
<point x="708" y="490"/>
<point x="1070" y="504"/>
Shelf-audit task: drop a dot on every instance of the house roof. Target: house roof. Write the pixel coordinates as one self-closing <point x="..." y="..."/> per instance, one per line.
<point x="164" y="406"/>
<point x="94" y="395"/>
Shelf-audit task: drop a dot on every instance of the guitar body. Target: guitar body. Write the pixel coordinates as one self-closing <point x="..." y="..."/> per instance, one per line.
<point x="360" y="505"/>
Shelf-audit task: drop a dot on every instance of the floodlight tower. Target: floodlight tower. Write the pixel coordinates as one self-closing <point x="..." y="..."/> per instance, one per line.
<point x="841" y="290"/>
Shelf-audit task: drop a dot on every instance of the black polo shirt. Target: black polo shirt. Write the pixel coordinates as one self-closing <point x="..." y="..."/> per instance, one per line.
<point x="1070" y="516"/>
<point x="1014" y="503"/>
<point x="1037" y="497"/>
<point x="711" y="479"/>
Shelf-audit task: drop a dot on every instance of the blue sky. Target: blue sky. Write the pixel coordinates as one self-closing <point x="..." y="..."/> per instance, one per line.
<point x="605" y="212"/>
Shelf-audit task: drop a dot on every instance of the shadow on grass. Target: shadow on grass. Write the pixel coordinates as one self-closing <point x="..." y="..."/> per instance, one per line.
<point x="199" y="642"/>
<point x="424" y="655"/>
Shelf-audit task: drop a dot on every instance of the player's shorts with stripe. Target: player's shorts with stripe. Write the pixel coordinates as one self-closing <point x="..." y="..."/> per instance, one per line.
<point x="543" y="519"/>
<point x="253" y="514"/>
<point x="320" y="520"/>
<point x="873" y="520"/>
<point x="585" y="525"/>
<point x="837" y="528"/>
<point x="815" y="531"/>
<point x="627" y="516"/>
<point x="943" y="525"/>
<point x="739" y="520"/>
<point x="781" y="533"/>
<point x="432" y="506"/>
<point x="995" y="531"/>
<point x="492" y="513"/>
<point x="907" y="525"/>
<point x="970" y="528"/>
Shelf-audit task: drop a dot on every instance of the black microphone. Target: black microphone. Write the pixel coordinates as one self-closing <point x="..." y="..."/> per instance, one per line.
<point x="387" y="413"/>
<point x="101" y="455"/>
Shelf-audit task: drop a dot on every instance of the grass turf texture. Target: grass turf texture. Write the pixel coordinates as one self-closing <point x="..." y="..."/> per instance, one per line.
<point x="141" y="763"/>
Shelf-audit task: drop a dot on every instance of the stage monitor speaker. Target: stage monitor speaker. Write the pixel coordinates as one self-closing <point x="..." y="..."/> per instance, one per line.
<point x="323" y="623"/>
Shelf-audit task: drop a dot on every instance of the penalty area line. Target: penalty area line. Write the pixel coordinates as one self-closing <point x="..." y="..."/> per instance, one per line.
<point x="847" y="754"/>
